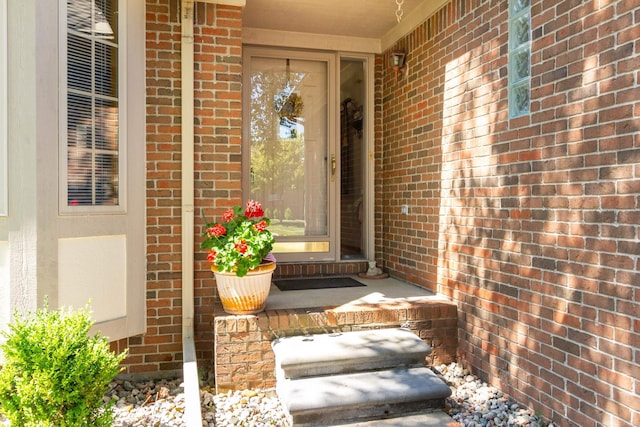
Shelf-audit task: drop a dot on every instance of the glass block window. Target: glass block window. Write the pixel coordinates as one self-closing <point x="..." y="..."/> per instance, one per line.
<point x="93" y="145"/>
<point x="519" y="57"/>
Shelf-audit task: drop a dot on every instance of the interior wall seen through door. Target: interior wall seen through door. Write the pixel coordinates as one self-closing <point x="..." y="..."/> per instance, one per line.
<point x="352" y="97"/>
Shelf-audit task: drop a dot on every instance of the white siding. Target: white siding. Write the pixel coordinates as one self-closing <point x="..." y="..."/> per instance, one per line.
<point x="4" y="175"/>
<point x="38" y="246"/>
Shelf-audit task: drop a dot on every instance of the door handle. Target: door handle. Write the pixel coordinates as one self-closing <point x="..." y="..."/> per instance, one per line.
<point x="333" y="166"/>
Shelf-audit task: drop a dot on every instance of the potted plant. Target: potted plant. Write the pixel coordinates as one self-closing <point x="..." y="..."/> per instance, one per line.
<point x="239" y="249"/>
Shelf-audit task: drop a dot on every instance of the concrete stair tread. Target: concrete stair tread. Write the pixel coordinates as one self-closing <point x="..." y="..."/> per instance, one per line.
<point x="325" y="354"/>
<point x="363" y="390"/>
<point x="429" y="418"/>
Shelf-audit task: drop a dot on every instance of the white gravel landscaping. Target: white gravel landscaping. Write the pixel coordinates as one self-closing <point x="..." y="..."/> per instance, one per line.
<point x="473" y="403"/>
<point x="160" y="403"/>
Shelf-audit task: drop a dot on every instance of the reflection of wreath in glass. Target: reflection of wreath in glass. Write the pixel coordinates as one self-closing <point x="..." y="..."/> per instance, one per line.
<point x="289" y="106"/>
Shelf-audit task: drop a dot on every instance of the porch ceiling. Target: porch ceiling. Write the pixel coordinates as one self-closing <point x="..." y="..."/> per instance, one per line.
<point x="371" y="19"/>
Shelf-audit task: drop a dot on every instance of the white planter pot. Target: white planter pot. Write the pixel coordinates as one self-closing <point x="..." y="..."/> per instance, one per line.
<point x="245" y="295"/>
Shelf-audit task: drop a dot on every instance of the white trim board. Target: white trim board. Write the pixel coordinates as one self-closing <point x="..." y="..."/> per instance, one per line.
<point x="4" y="165"/>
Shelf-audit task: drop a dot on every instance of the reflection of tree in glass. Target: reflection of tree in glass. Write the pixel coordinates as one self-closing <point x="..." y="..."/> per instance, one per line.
<point x="521" y="60"/>
<point x="277" y="146"/>
<point x="518" y="5"/>
<point x="522" y="30"/>
<point x="521" y="98"/>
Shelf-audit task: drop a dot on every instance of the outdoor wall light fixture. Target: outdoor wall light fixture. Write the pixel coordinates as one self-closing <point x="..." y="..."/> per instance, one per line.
<point x="396" y="59"/>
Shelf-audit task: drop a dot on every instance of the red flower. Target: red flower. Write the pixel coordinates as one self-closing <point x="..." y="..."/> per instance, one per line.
<point x="241" y="247"/>
<point x="216" y="231"/>
<point x="260" y="226"/>
<point x="254" y="210"/>
<point x="240" y="240"/>
<point x="228" y="215"/>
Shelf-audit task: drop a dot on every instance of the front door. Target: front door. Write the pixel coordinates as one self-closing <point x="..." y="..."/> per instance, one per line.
<point x="290" y="149"/>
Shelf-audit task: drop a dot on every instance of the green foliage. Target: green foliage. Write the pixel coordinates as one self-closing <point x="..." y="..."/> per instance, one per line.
<point x="276" y="213"/>
<point x="55" y="373"/>
<point x="277" y="145"/>
<point x="240" y="241"/>
<point x="288" y="214"/>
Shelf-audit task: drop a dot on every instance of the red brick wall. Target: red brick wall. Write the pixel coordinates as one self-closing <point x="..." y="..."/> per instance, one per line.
<point x="217" y="75"/>
<point x="160" y="349"/>
<point x="529" y="224"/>
<point x="218" y="174"/>
<point x="218" y="138"/>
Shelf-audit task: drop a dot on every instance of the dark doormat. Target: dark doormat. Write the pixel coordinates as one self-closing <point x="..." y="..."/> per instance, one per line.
<point x="300" y="284"/>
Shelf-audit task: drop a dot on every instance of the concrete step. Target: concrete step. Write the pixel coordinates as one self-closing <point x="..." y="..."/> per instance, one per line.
<point x="361" y="396"/>
<point x="344" y="352"/>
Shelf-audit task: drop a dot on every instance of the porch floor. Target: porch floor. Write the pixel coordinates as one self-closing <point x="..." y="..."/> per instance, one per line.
<point x="376" y="291"/>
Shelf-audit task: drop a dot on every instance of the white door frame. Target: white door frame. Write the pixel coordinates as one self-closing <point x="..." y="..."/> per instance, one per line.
<point x="333" y="133"/>
<point x="368" y="226"/>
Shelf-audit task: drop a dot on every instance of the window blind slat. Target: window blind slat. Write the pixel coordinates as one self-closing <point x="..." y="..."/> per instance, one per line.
<point x="92" y="103"/>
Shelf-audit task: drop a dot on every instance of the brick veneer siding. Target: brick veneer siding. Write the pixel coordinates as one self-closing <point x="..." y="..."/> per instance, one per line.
<point x="530" y="224"/>
<point x="244" y="357"/>
<point x="218" y="174"/>
<point x="217" y="87"/>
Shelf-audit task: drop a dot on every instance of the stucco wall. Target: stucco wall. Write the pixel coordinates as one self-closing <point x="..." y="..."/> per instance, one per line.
<point x="530" y="224"/>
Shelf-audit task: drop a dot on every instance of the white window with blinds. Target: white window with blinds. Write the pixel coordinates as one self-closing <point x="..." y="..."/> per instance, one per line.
<point x="102" y="127"/>
<point x="93" y="144"/>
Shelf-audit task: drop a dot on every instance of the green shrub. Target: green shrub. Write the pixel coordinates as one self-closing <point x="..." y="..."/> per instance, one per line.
<point x="55" y="373"/>
<point x="288" y="214"/>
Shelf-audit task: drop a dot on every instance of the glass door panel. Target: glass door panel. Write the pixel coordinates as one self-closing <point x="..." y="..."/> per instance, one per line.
<point x="290" y="165"/>
<point x="353" y="159"/>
